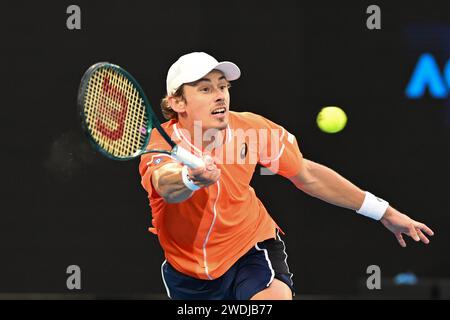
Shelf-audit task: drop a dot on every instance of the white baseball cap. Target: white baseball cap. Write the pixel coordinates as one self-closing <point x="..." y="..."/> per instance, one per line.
<point x="193" y="66"/>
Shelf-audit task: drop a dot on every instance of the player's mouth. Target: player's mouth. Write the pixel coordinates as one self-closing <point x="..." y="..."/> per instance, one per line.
<point x="219" y="112"/>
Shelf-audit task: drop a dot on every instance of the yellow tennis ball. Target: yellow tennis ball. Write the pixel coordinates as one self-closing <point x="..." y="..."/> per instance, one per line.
<point x="331" y="119"/>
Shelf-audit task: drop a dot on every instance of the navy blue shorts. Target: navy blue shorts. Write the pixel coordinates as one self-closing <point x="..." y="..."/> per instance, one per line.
<point x="252" y="273"/>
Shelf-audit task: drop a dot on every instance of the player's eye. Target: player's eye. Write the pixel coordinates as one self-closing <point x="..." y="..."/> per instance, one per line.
<point x="224" y="86"/>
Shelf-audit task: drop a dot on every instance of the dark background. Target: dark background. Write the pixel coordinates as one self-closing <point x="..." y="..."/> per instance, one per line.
<point x="63" y="204"/>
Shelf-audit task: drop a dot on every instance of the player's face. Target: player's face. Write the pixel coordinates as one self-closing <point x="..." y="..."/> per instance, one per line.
<point x="208" y="101"/>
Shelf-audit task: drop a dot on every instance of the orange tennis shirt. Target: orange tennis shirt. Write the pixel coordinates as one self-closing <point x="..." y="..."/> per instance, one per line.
<point x="206" y="234"/>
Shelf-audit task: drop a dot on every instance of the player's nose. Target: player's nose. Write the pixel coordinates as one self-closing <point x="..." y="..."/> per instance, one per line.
<point x="219" y="96"/>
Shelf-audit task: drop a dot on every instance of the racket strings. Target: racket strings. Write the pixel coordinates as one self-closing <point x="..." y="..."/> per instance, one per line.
<point x="115" y="113"/>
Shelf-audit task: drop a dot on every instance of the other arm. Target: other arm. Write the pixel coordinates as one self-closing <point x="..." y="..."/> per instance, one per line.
<point x="322" y="182"/>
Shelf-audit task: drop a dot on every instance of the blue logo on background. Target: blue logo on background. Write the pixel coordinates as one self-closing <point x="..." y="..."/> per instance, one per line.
<point x="427" y="75"/>
<point x="406" y="278"/>
<point x="429" y="44"/>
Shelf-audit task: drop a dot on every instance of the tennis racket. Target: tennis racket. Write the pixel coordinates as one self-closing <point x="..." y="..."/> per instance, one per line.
<point x="118" y="118"/>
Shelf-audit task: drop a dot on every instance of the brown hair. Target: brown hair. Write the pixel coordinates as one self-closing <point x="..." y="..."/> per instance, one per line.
<point x="166" y="109"/>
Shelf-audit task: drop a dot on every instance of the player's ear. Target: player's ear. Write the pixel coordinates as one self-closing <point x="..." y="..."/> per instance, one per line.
<point x="177" y="104"/>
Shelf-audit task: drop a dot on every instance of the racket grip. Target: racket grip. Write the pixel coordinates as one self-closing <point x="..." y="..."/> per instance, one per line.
<point x="184" y="156"/>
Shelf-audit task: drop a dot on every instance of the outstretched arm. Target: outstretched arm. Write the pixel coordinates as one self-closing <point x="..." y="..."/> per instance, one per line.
<point x="168" y="180"/>
<point x="321" y="182"/>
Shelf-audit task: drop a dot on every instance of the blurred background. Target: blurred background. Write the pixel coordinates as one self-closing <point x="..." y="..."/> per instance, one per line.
<point x="63" y="204"/>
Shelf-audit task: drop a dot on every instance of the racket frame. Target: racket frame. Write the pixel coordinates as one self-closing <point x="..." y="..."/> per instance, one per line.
<point x="151" y="115"/>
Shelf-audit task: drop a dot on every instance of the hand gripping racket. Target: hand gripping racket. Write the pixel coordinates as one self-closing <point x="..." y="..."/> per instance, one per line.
<point x="118" y="118"/>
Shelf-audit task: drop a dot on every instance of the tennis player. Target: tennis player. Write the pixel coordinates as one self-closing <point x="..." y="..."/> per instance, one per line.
<point x="218" y="239"/>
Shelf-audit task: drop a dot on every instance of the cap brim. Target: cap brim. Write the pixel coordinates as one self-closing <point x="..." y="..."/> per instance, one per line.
<point x="229" y="69"/>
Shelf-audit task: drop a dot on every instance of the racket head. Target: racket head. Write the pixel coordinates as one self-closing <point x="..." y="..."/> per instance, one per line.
<point x="115" y="112"/>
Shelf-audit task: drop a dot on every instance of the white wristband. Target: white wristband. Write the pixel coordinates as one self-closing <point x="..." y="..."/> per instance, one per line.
<point x="373" y="207"/>
<point x="188" y="182"/>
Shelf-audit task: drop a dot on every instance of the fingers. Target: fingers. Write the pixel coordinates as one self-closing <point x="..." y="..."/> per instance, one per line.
<point x="203" y="173"/>
<point x="209" y="165"/>
<point x="196" y="172"/>
<point x="400" y="239"/>
<point x="420" y="229"/>
<point x="209" y="162"/>
<point x="208" y="178"/>
<point x="415" y="232"/>
<point x="402" y="224"/>
<point x="424" y="228"/>
<point x="204" y="177"/>
<point x="423" y="238"/>
<point x="412" y="232"/>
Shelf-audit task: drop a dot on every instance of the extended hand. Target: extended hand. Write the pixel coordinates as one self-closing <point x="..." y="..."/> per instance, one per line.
<point x="204" y="177"/>
<point x="399" y="223"/>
